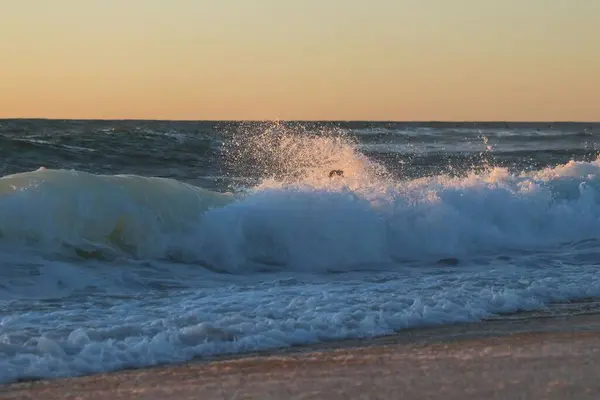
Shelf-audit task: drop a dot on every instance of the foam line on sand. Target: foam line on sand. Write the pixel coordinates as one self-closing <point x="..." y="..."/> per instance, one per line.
<point x="530" y="358"/>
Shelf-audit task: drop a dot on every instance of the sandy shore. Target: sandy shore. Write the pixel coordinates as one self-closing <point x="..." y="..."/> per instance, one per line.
<point x="539" y="358"/>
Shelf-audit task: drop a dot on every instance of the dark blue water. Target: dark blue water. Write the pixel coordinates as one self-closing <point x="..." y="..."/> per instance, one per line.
<point x="194" y="150"/>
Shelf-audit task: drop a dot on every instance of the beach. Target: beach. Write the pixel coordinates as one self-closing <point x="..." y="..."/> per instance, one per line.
<point x="526" y="359"/>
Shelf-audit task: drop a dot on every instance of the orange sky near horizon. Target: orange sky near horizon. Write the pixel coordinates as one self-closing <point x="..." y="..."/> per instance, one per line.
<point x="527" y="60"/>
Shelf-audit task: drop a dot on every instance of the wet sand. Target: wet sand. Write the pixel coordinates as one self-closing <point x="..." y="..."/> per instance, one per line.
<point x="538" y="358"/>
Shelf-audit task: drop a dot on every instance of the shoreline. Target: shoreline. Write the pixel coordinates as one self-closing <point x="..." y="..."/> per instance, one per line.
<point x="550" y="357"/>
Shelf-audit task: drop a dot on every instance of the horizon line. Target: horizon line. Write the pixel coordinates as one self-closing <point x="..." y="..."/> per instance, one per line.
<point x="301" y="120"/>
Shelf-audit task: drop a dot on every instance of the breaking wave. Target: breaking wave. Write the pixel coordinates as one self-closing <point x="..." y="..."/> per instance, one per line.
<point x="299" y="218"/>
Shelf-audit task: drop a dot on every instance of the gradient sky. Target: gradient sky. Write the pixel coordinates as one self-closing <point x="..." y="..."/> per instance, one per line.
<point x="309" y="59"/>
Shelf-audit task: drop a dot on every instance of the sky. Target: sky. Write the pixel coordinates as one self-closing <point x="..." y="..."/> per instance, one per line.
<point x="418" y="60"/>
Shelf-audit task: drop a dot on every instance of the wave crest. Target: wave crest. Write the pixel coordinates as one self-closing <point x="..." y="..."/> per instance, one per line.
<point x="54" y="209"/>
<point x="300" y="219"/>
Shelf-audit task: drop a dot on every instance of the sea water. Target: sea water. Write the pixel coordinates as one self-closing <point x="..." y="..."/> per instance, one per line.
<point x="135" y="243"/>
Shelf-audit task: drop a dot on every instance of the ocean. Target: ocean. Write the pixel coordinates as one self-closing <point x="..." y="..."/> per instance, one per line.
<point x="127" y="244"/>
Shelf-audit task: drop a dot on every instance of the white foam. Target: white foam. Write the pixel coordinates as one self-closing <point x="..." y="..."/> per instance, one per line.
<point x="341" y="225"/>
<point x="74" y="339"/>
